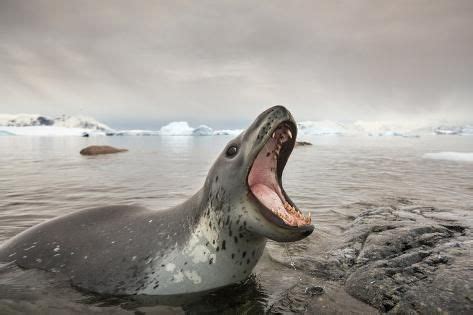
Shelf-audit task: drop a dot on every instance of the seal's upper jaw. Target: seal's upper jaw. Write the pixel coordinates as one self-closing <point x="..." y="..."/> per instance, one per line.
<point x="264" y="179"/>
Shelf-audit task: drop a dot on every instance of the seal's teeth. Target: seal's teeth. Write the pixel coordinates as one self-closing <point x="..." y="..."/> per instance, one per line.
<point x="289" y="133"/>
<point x="273" y="135"/>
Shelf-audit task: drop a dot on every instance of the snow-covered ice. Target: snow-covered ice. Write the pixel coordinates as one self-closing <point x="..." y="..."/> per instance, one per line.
<point x="448" y="130"/>
<point x="467" y="130"/>
<point x="6" y="133"/>
<point x="39" y="125"/>
<point x="227" y="132"/>
<point x="136" y="132"/>
<point x="325" y="127"/>
<point x="65" y="121"/>
<point x="48" y="131"/>
<point x="450" y="156"/>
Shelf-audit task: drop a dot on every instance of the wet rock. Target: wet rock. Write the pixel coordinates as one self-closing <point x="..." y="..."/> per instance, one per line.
<point x="401" y="258"/>
<point x="294" y="300"/>
<point x="100" y="149"/>
<point x="302" y="143"/>
<point x="330" y="270"/>
<point x="314" y="290"/>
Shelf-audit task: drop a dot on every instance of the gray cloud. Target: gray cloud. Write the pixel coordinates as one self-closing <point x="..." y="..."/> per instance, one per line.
<point x="224" y="60"/>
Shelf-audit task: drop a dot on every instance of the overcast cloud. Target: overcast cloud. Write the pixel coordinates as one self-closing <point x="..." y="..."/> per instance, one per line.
<point x="208" y="61"/>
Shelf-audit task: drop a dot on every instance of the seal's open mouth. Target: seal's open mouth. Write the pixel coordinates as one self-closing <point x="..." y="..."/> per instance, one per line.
<point x="264" y="178"/>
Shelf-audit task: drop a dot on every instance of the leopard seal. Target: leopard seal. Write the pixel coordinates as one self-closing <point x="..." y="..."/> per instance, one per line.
<point x="211" y="240"/>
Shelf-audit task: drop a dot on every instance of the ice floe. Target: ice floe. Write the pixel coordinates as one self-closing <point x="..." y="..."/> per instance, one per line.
<point x="450" y="156"/>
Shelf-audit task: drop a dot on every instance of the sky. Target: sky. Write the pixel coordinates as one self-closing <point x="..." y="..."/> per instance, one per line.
<point x="222" y="62"/>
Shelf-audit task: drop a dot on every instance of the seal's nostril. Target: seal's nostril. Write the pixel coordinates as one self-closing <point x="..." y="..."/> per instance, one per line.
<point x="307" y="233"/>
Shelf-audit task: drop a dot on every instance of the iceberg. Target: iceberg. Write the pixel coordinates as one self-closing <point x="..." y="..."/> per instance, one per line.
<point x="325" y="127"/>
<point x="227" y="132"/>
<point x="359" y="128"/>
<point x="406" y="129"/>
<point x="467" y="130"/>
<point x="134" y="132"/>
<point x="202" y="130"/>
<point x="180" y="128"/>
<point x="460" y="130"/>
<point x="447" y="130"/>
<point x="5" y="133"/>
<point x="176" y="128"/>
<point x="450" y="156"/>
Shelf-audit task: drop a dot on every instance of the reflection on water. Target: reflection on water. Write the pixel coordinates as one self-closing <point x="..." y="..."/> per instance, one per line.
<point x="247" y="297"/>
<point x="43" y="177"/>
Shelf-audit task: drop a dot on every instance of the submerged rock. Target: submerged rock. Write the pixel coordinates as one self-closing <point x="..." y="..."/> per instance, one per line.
<point x="100" y="149"/>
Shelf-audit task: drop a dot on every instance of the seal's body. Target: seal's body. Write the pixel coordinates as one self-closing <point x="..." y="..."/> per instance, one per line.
<point x="211" y="240"/>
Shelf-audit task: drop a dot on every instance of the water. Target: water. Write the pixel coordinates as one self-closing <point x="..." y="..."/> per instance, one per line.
<point x="43" y="177"/>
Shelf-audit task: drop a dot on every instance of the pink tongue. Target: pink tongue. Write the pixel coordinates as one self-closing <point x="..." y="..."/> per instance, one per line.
<point x="268" y="197"/>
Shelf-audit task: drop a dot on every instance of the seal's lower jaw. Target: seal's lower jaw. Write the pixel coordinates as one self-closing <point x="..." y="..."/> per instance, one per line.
<point x="264" y="181"/>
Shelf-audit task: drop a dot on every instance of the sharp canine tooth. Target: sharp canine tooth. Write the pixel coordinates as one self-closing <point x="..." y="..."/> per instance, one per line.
<point x="289" y="133"/>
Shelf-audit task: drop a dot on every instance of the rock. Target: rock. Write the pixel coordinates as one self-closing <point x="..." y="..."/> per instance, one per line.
<point x="401" y="259"/>
<point x="45" y="121"/>
<point x="302" y="143"/>
<point x="100" y="149"/>
<point x="314" y="290"/>
<point x="294" y="300"/>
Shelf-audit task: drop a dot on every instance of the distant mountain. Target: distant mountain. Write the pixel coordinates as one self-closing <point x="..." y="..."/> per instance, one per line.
<point x="32" y="120"/>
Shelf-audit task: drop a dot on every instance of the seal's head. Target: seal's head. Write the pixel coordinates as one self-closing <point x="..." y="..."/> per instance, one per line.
<point x="251" y="167"/>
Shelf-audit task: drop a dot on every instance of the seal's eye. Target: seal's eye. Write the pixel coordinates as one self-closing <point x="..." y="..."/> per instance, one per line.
<point x="232" y="151"/>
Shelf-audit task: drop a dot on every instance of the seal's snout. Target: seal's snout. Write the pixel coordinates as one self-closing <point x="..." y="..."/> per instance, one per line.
<point x="277" y="108"/>
<point x="277" y="112"/>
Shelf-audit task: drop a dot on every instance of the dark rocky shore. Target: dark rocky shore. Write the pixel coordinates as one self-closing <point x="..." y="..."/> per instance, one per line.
<point x="402" y="259"/>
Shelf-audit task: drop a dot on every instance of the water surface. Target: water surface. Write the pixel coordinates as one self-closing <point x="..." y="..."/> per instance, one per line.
<point x="44" y="177"/>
